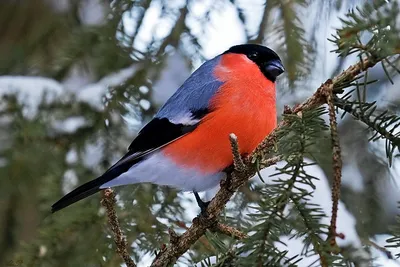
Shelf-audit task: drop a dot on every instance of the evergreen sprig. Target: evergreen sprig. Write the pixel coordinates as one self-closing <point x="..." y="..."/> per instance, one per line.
<point x="383" y="124"/>
<point x="377" y="20"/>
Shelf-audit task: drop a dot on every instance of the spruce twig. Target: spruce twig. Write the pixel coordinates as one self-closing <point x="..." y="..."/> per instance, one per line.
<point x="322" y="258"/>
<point x="220" y="228"/>
<point x="237" y="158"/>
<point x="337" y="168"/>
<point x="108" y="202"/>
<point x="280" y="206"/>
<point x="383" y="124"/>
<point x="229" y="231"/>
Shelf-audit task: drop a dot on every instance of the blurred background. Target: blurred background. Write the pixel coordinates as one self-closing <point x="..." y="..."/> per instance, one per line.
<point x="78" y="78"/>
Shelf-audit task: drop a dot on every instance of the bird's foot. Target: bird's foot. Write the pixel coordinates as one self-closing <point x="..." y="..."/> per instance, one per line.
<point x="202" y="204"/>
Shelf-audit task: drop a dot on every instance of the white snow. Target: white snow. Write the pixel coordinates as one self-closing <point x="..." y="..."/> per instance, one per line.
<point x="352" y="178"/>
<point x="224" y="31"/>
<point x="172" y="76"/>
<point x="144" y="89"/>
<point x="3" y="162"/>
<point x="30" y="91"/>
<point x="92" y="155"/>
<point x="381" y="258"/>
<point x="94" y="93"/>
<point x="145" y="104"/>
<point x="70" y="125"/>
<point x="72" y="156"/>
<point x="69" y="182"/>
<point x="92" y="12"/>
<point x="78" y="77"/>
<point x="294" y="247"/>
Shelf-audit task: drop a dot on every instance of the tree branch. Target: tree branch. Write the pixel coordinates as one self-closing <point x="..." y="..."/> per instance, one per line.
<point x="237" y="179"/>
<point x="108" y="202"/>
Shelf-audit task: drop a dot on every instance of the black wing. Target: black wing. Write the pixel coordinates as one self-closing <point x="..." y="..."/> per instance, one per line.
<point x="156" y="134"/>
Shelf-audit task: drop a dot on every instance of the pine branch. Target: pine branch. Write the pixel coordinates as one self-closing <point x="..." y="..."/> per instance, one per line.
<point x="316" y="240"/>
<point x="217" y="204"/>
<point x="384" y="125"/>
<point x="108" y="202"/>
<point x="279" y="207"/>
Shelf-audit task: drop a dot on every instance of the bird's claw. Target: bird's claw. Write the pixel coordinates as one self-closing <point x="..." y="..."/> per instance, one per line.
<point x="202" y="204"/>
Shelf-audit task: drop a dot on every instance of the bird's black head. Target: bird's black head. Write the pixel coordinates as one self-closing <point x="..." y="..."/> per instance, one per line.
<point x="267" y="60"/>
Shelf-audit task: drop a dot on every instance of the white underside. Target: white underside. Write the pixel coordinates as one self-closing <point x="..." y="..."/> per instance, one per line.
<point x="158" y="169"/>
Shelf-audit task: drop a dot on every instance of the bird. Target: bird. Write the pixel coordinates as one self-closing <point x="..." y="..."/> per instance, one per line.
<point x="186" y="145"/>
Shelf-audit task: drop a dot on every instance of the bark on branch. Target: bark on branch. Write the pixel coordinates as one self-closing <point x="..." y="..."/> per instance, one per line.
<point x="108" y="202"/>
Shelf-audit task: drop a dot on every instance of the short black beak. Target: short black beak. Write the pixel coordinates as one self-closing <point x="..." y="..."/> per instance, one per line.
<point x="274" y="68"/>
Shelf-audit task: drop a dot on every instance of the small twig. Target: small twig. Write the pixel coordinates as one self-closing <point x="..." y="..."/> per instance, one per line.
<point x="270" y="161"/>
<point x="108" y="202"/>
<point x="229" y="231"/>
<point x="221" y="228"/>
<point x="337" y="168"/>
<point x="237" y="158"/>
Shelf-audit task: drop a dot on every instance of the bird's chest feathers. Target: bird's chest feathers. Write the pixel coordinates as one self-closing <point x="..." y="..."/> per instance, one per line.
<point x="247" y="108"/>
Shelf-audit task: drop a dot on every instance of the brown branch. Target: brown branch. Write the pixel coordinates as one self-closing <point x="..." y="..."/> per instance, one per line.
<point x="337" y="168"/>
<point x="202" y="239"/>
<point x="108" y="202"/>
<point x="237" y="179"/>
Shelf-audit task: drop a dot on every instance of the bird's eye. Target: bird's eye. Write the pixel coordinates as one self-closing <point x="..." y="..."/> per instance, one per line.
<point x="252" y="55"/>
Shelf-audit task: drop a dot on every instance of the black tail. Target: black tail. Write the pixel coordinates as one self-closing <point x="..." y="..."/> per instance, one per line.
<point x="93" y="186"/>
<point x="79" y="193"/>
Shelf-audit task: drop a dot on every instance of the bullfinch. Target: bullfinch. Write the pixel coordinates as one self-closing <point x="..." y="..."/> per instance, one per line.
<point x="186" y="145"/>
